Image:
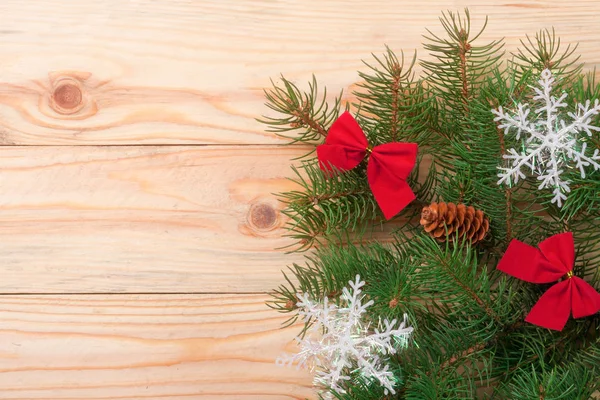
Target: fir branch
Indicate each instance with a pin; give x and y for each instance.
(463, 48)
(491, 99)
(588, 357)
(459, 65)
(549, 382)
(544, 51)
(507, 191)
(328, 270)
(326, 207)
(469, 318)
(394, 78)
(471, 177)
(455, 267)
(394, 105)
(465, 353)
(446, 365)
(301, 116)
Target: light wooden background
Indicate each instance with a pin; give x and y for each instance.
(137, 221)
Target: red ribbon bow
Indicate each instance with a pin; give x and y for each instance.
(552, 261)
(388, 167)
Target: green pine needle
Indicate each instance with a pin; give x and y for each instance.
(470, 339)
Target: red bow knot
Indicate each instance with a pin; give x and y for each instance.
(552, 260)
(388, 167)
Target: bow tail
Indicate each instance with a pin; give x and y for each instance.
(585, 299)
(554, 307)
(394, 199)
(388, 167)
(391, 193)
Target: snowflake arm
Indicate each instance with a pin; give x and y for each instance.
(585, 161)
(518, 121)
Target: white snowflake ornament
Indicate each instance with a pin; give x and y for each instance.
(550, 143)
(339, 342)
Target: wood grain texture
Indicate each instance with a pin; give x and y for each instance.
(156, 72)
(175, 219)
(145, 347)
(143, 219)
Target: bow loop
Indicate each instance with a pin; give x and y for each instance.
(553, 260)
(538, 270)
(388, 166)
(559, 250)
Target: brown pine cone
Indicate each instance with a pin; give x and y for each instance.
(443, 220)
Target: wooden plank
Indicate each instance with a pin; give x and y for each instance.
(140, 71)
(145, 347)
(143, 219)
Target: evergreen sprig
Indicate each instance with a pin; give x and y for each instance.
(544, 51)
(325, 207)
(301, 117)
(394, 105)
(470, 339)
(460, 64)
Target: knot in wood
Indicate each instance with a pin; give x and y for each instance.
(262, 216)
(67, 96)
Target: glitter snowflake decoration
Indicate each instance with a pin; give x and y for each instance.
(339, 343)
(550, 144)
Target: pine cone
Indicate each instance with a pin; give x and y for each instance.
(443, 220)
